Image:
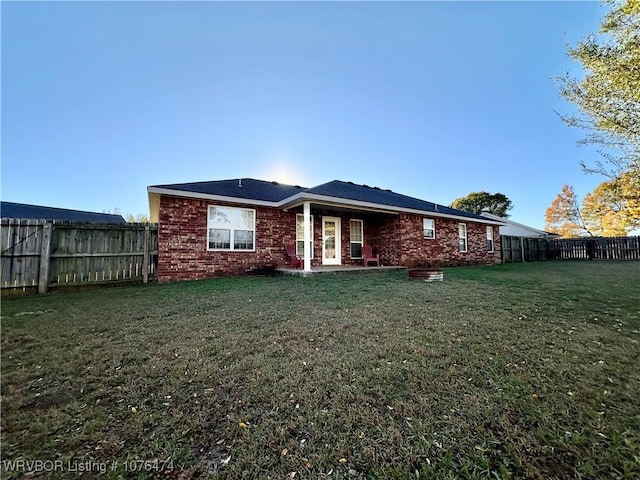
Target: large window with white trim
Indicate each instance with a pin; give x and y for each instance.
(428, 228)
(490, 239)
(300, 235)
(356, 237)
(462, 237)
(231, 228)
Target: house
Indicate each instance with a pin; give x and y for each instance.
(515, 229)
(229, 227)
(23, 210)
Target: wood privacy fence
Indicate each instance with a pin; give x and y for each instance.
(41, 254)
(521, 249)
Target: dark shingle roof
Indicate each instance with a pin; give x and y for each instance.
(22, 210)
(364, 193)
(250, 189)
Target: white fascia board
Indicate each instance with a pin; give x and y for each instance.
(215, 198)
(299, 198)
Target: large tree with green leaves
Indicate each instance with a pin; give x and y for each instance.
(484, 202)
(608, 95)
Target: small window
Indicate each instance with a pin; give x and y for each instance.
(356, 238)
(300, 235)
(462, 237)
(428, 228)
(490, 239)
(231, 229)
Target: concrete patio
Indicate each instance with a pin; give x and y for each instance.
(320, 270)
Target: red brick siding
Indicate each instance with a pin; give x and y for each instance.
(443, 250)
(398, 239)
(182, 241)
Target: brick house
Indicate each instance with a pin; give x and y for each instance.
(230, 227)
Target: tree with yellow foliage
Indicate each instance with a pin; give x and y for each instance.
(564, 215)
(611, 210)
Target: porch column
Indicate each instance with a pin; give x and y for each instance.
(306, 207)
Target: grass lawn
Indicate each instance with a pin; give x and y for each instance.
(525, 371)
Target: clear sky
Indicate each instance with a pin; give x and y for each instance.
(430, 99)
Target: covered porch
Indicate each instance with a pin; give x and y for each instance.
(330, 237)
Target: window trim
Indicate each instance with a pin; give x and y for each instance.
(361, 242)
(433, 229)
(231, 230)
(301, 254)
(490, 239)
(465, 237)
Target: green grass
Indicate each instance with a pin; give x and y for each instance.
(524, 371)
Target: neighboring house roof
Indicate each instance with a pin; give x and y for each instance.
(22, 210)
(515, 229)
(334, 193)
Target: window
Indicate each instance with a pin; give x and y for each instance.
(428, 228)
(231, 229)
(300, 235)
(490, 239)
(462, 237)
(356, 234)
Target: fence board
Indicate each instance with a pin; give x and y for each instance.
(584, 248)
(79, 253)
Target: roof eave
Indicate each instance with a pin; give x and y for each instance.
(300, 198)
(208, 196)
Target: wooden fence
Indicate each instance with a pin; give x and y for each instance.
(519, 249)
(40, 254)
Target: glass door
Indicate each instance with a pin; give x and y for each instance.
(331, 241)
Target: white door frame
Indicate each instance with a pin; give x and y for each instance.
(338, 246)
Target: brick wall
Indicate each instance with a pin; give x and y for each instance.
(182, 241)
(398, 239)
(443, 250)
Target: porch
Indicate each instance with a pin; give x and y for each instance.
(325, 269)
(331, 238)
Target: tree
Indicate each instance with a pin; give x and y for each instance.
(564, 216)
(129, 217)
(611, 210)
(484, 202)
(138, 218)
(608, 96)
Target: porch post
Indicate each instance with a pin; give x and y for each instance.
(307, 236)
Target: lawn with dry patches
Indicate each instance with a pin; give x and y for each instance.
(523, 370)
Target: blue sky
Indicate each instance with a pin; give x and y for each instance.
(430, 99)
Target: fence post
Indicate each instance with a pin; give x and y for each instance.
(45, 258)
(145, 260)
